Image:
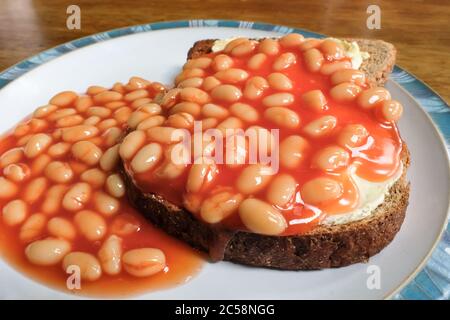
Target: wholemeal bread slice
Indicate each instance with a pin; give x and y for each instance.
(324, 246)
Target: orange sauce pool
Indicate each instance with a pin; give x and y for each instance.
(182, 262)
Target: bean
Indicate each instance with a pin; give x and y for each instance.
(291, 40)
(107, 96)
(139, 102)
(78, 167)
(348, 75)
(221, 62)
(332, 50)
(17, 172)
(151, 122)
(91, 225)
(106, 204)
(122, 114)
(331, 158)
(86, 152)
(15, 212)
(292, 151)
(166, 135)
(137, 94)
(38, 125)
(101, 112)
(83, 103)
(236, 150)
(110, 255)
(69, 121)
(284, 61)
(269, 47)
(92, 120)
(309, 44)
(255, 87)
(253, 178)
(189, 107)
(256, 62)
(229, 125)
(144, 262)
(320, 127)
(61, 228)
(315, 100)
(39, 164)
(181, 120)
(260, 217)
(231, 75)
(53, 199)
(192, 202)
(219, 206)
(47, 252)
(90, 269)
(13, 155)
(108, 161)
(243, 49)
(313, 59)
(214, 111)
(77, 196)
(119, 87)
(93, 90)
(64, 99)
(44, 111)
(191, 83)
(95, 177)
(23, 140)
(34, 190)
(37, 144)
(391, 110)
(226, 92)
(189, 73)
(234, 43)
(210, 83)
(59, 172)
(202, 63)
(332, 67)
(138, 83)
(321, 190)
(171, 98)
(352, 135)
(282, 117)
(345, 92)
(281, 190)
(78, 133)
(131, 144)
(201, 174)
(106, 124)
(209, 123)
(279, 81)
(146, 158)
(111, 136)
(33, 227)
(245, 112)
(125, 224)
(115, 185)
(371, 97)
(61, 113)
(169, 170)
(278, 100)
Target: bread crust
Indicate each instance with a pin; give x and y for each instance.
(324, 246)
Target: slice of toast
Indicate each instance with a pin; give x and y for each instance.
(324, 246)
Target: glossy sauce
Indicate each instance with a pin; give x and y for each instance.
(376, 160)
(182, 262)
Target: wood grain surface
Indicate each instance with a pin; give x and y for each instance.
(419, 29)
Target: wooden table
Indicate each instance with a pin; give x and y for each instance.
(419, 29)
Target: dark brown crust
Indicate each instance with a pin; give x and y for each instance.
(324, 247)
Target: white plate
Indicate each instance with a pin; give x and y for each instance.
(158, 55)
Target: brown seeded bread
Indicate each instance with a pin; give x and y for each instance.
(323, 247)
(377, 67)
